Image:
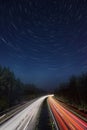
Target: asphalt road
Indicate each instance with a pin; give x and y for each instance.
(26, 119)
(65, 120)
(14, 111)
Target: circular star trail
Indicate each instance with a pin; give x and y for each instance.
(43, 41)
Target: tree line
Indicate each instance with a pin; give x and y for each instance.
(13, 91)
(74, 91)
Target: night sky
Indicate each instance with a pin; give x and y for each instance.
(43, 41)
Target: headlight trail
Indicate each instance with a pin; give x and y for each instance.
(26, 119)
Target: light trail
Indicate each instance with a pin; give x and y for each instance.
(26, 119)
(64, 118)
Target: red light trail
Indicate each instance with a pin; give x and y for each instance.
(64, 118)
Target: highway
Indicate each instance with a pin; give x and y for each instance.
(26, 119)
(15, 110)
(65, 120)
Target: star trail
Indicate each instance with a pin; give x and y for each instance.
(43, 41)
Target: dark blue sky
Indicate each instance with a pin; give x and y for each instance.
(43, 41)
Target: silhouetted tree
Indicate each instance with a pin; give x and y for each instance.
(75, 90)
(12, 90)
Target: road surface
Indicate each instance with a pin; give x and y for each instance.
(14, 111)
(65, 120)
(26, 119)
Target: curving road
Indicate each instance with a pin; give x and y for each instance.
(65, 120)
(26, 119)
